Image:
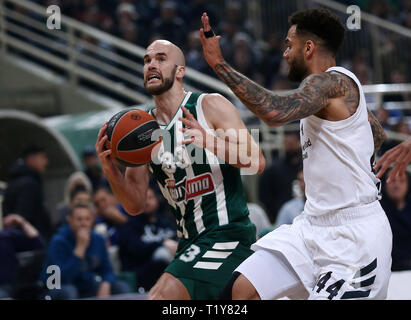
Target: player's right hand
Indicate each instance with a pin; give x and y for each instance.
(211, 46)
(107, 163)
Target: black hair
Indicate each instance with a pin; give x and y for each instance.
(322, 23)
(102, 187)
(31, 150)
(88, 151)
(77, 189)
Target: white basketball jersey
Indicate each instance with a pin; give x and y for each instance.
(337, 159)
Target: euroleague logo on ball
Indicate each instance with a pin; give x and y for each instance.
(129, 136)
(135, 116)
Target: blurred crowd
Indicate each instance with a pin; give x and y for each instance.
(100, 250)
(258, 57)
(141, 22)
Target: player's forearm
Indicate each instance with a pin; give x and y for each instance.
(312, 95)
(129, 193)
(256, 98)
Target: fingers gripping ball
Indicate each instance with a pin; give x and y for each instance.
(129, 135)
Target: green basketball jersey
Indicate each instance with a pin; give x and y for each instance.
(204, 192)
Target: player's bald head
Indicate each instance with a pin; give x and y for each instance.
(170, 49)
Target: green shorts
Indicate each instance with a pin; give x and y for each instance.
(205, 265)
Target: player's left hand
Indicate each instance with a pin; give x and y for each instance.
(196, 133)
(211, 45)
(400, 155)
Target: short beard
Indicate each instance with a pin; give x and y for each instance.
(164, 87)
(297, 71)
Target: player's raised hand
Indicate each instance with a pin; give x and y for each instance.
(210, 42)
(193, 130)
(400, 155)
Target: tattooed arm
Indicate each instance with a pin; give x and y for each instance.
(313, 95)
(377, 131)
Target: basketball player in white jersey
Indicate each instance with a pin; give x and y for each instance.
(340, 246)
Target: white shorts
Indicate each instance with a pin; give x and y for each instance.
(341, 255)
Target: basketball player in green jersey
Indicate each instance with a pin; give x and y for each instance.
(205, 194)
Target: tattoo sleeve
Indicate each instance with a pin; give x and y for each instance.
(308, 99)
(377, 131)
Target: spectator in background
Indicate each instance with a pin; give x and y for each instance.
(148, 10)
(275, 185)
(110, 215)
(292, 208)
(18, 235)
(194, 54)
(91, 14)
(363, 72)
(383, 116)
(92, 168)
(83, 259)
(401, 127)
(397, 205)
(147, 243)
(272, 58)
(259, 217)
(78, 188)
(295, 206)
(397, 76)
(75, 180)
(245, 56)
(170, 25)
(24, 194)
(195, 8)
(129, 24)
(78, 195)
(405, 13)
(235, 14)
(382, 9)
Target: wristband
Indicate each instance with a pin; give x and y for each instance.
(209, 33)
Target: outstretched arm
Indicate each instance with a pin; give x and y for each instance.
(312, 95)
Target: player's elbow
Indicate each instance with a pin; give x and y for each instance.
(273, 122)
(261, 164)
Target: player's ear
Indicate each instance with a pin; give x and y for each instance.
(181, 70)
(309, 48)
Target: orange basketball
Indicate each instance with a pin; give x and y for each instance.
(129, 135)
